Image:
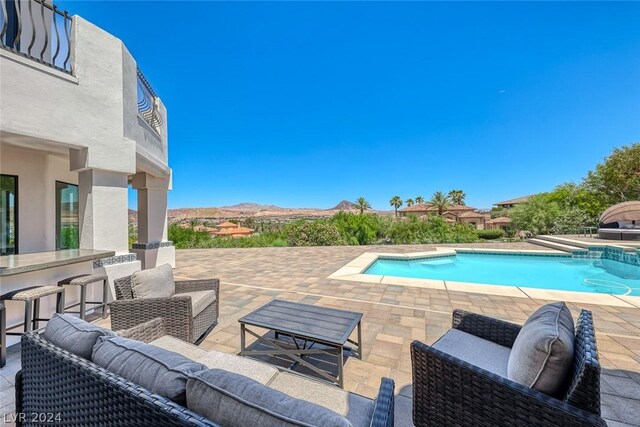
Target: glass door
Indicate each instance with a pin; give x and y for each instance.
(8, 214)
(67, 217)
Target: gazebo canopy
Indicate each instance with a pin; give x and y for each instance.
(625, 211)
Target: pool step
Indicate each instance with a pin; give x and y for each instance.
(553, 245)
(564, 241)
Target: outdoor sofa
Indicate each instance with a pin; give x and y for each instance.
(74, 386)
(463, 378)
(189, 308)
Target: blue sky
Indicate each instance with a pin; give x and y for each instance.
(305, 104)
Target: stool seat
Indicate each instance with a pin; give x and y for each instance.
(31, 293)
(82, 279)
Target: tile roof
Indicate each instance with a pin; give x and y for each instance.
(227, 224)
(233, 231)
(471, 214)
(500, 220)
(423, 207)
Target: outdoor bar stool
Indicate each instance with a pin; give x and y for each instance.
(31, 298)
(83, 281)
(3, 336)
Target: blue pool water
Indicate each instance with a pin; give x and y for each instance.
(560, 273)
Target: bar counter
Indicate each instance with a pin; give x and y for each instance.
(25, 263)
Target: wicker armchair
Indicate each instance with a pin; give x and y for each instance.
(450, 392)
(176, 311)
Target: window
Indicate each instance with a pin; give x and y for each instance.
(8, 214)
(67, 218)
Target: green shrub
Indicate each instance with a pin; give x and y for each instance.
(185, 238)
(279, 243)
(356, 229)
(491, 234)
(313, 233)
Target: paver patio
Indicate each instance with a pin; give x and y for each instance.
(396, 315)
(393, 316)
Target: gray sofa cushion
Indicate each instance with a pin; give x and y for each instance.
(254, 369)
(156, 369)
(153, 283)
(476, 351)
(233, 400)
(355, 408)
(542, 354)
(199, 300)
(74, 335)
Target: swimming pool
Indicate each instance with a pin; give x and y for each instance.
(543, 272)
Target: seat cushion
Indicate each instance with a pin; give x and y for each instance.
(74, 335)
(153, 283)
(199, 300)
(257, 371)
(476, 351)
(234, 400)
(355, 408)
(542, 354)
(156, 369)
(176, 345)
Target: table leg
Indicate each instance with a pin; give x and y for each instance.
(341, 367)
(360, 340)
(242, 339)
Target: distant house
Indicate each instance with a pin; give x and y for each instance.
(477, 219)
(226, 224)
(502, 222)
(508, 204)
(234, 230)
(424, 209)
(454, 213)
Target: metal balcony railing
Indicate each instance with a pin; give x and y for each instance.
(38, 30)
(148, 103)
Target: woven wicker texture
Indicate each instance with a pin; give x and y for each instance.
(34, 292)
(54, 381)
(145, 332)
(450, 392)
(82, 280)
(176, 311)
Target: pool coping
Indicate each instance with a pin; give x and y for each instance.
(354, 270)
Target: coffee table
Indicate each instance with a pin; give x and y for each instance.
(307, 325)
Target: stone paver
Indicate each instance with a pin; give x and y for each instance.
(396, 315)
(393, 316)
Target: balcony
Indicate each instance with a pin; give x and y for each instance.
(37, 30)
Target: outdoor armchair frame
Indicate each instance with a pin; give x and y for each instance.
(450, 392)
(176, 311)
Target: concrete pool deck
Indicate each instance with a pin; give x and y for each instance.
(355, 271)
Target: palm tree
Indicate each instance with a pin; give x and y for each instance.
(419, 200)
(396, 202)
(409, 202)
(362, 204)
(439, 201)
(457, 197)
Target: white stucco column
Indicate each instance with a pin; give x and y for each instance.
(103, 210)
(152, 247)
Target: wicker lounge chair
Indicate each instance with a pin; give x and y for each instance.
(448, 391)
(177, 311)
